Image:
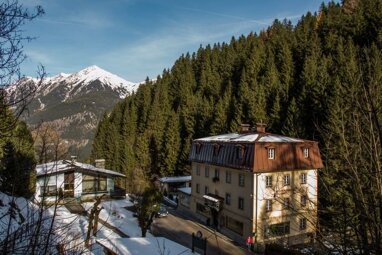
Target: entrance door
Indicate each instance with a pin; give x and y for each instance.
(215, 217)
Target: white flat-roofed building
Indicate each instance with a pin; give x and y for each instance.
(68, 178)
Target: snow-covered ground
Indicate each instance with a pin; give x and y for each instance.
(148, 246)
(12, 217)
(70, 229)
(117, 215)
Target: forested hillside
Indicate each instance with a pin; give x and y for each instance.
(290, 77)
(319, 79)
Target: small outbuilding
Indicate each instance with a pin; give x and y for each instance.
(169, 185)
(184, 196)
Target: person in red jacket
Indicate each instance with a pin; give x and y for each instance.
(249, 242)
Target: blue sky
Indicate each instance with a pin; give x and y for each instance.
(139, 38)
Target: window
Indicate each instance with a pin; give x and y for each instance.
(92, 183)
(206, 190)
(277, 229)
(303, 178)
(228, 198)
(69, 181)
(241, 203)
(102, 184)
(302, 223)
(206, 171)
(241, 180)
(271, 153)
(306, 152)
(49, 190)
(198, 170)
(303, 200)
(268, 181)
(217, 172)
(240, 150)
(286, 203)
(268, 205)
(286, 179)
(200, 208)
(228, 177)
(216, 149)
(234, 225)
(197, 188)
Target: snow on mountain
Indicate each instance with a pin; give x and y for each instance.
(78, 82)
(81, 79)
(92, 73)
(72, 103)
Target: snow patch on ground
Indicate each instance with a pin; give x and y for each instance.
(42, 105)
(70, 230)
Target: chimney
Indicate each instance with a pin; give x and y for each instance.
(244, 128)
(99, 163)
(260, 127)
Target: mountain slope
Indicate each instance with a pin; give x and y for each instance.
(74, 103)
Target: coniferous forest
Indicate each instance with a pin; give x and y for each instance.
(318, 79)
(17, 159)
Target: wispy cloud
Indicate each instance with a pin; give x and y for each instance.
(88, 19)
(152, 54)
(92, 19)
(31, 3)
(39, 57)
(258, 21)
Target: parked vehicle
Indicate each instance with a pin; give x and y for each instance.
(163, 212)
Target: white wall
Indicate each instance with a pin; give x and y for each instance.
(57, 180)
(77, 184)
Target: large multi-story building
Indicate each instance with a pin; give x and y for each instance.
(256, 183)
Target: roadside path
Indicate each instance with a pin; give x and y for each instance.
(179, 228)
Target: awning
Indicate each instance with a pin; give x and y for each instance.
(213, 201)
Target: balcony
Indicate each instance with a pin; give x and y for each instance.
(215, 179)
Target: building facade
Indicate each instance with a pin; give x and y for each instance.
(256, 183)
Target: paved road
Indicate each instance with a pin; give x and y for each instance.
(178, 228)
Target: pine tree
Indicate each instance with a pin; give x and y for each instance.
(309, 80)
(171, 146)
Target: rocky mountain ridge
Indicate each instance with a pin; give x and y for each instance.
(72, 103)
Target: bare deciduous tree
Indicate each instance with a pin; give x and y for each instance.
(12, 17)
(353, 180)
(48, 144)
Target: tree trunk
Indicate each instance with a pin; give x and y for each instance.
(96, 216)
(90, 227)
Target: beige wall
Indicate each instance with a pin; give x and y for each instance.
(276, 193)
(220, 188)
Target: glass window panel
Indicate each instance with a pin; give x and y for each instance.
(102, 184)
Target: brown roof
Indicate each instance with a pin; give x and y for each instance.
(250, 151)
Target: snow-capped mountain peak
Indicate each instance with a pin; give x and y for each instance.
(82, 82)
(72, 103)
(94, 72)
